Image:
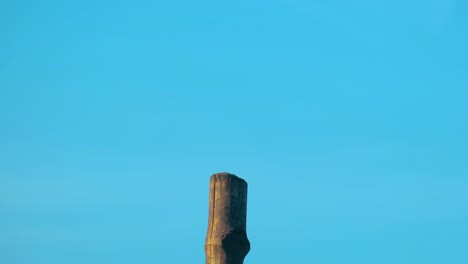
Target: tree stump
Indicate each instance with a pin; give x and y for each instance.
(226, 238)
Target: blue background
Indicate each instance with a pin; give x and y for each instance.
(347, 119)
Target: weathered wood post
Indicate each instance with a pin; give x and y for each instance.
(226, 239)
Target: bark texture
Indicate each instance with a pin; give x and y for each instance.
(226, 238)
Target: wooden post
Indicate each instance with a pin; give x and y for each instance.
(226, 239)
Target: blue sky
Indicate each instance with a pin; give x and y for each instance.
(347, 119)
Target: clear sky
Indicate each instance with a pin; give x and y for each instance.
(348, 119)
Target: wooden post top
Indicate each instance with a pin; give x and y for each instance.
(226, 239)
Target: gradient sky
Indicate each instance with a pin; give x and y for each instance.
(348, 119)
